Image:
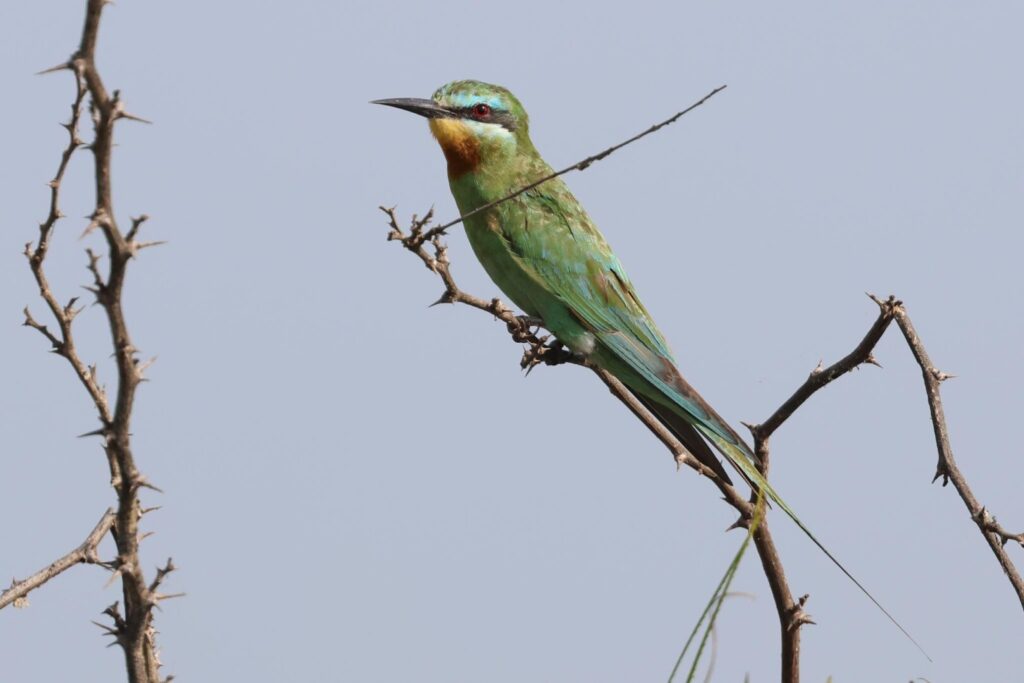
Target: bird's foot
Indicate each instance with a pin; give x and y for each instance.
(542, 352)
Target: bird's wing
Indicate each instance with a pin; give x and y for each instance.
(565, 251)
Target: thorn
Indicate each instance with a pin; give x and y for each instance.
(740, 523)
(94, 222)
(941, 376)
(871, 360)
(114, 573)
(818, 368)
(753, 428)
(109, 631)
(799, 616)
(142, 482)
(145, 365)
(446, 298)
(985, 515)
(54, 69)
(132, 117)
(102, 431)
(890, 302)
(136, 224)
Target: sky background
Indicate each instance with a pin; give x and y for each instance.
(362, 488)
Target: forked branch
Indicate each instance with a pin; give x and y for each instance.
(87, 553)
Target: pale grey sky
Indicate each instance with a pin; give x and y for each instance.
(359, 488)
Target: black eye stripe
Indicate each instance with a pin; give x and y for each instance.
(499, 116)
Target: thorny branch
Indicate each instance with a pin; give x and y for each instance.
(134, 629)
(543, 349)
(791, 611)
(946, 469)
(86, 553)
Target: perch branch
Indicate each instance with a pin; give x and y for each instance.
(542, 349)
(539, 350)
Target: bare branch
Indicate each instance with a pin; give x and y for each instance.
(86, 553)
(791, 611)
(133, 630)
(947, 469)
(819, 377)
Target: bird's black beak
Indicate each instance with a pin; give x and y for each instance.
(427, 108)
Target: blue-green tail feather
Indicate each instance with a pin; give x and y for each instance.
(743, 459)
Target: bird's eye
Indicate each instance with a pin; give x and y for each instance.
(481, 111)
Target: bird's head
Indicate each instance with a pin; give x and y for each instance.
(477, 124)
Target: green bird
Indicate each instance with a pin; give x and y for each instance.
(548, 257)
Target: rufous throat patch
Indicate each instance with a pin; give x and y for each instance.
(460, 146)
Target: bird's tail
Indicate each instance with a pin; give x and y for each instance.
(687, 434)
(743, 459)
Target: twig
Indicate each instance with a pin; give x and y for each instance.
(819, 377)
(522, 328)
(84, 553)
(581, 165)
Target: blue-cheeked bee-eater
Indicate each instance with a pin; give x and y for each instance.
(547, 256)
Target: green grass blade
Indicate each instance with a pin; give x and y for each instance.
(715, 603)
